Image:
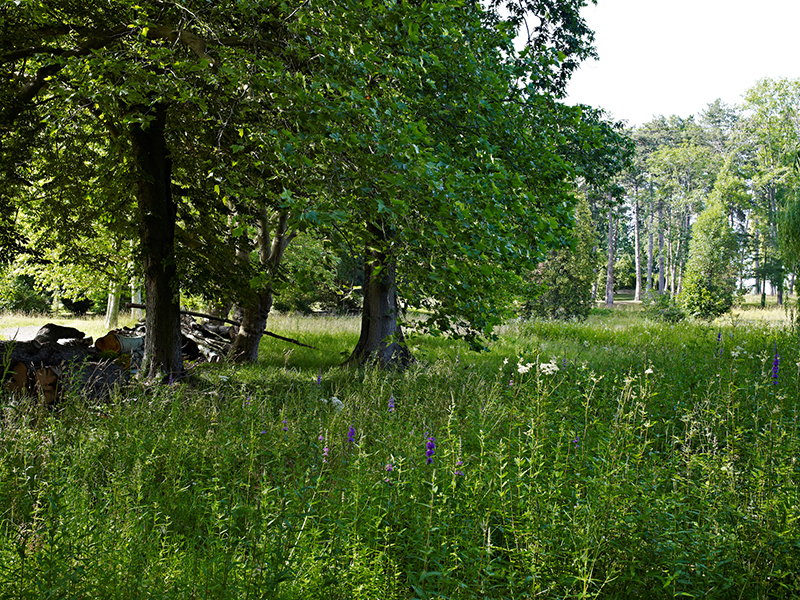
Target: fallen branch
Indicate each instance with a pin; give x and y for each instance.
(232, 322)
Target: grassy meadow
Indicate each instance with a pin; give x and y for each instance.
(616, 458)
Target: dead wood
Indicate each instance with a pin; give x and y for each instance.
(231, 321)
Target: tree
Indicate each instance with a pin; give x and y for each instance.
(769, 132)
(489, 175)
(416, 129)
(151, 82)
(562, 284)
(709, 284)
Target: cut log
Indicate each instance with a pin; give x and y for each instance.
(108, 343)
(46, 384)
(51, 334)
(18, 382)
(34, 353)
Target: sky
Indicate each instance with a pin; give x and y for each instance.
(674, 57)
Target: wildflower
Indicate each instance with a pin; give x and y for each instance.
(565, 363)
(351, 435)
(431, 449)
(319, 377)
(458, 357)
(285, 425)
(325, 454)
(648, 371)
(389, 467)
(263, 431)
(510, 382)
(548, 368)
(459, 472)
(338, 405)
(522, 369)
(576, 441)
(320, 438)
(775, 366)
(391, 403)
(585, 343)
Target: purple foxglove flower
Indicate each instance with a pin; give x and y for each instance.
(431, 449)
(775, 366)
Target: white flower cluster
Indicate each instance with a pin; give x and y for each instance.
(523, 368)
(740, 351)
(335, 402)
(548, 368)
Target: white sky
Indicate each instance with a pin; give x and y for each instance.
(674, 57)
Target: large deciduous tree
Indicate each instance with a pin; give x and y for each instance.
(417, 130)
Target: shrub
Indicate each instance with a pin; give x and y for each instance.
(17, 293)
(662, 307)
(564, 281)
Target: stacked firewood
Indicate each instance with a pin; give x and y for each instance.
(63, 360)
(58, 359)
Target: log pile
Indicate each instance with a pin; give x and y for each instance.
(62, 360)
(58, 359)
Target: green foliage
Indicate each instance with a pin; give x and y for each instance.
(563, 282)
(709, 283)
(789, 231)
(18, 293)
(308, 277)
(663, 307)
(614, 458)
(419, 120)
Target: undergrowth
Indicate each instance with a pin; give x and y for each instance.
(619, 458)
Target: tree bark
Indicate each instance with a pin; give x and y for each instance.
(112, 309)
(136, 298)
(256, 309)
(637, 295)
(649, 284)
(661, 280)
(381, 340)
(610, 270)
(157, 213)
(756, 264)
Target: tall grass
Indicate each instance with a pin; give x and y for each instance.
(655, 462)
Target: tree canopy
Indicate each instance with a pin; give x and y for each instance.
(417, 133)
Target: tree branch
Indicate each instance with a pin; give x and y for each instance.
(231, 321)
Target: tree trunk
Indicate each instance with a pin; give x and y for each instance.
(676, 268)
(112, 309)
(637, 295)
(661, 280)
(756, 265)
(649, 284)
(381, 340)
(610, 270)
(157, 212)
(136, 298)
(255, 310)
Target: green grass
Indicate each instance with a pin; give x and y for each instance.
(92, 325)
(658, 461)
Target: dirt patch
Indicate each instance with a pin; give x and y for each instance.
(20, 334)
